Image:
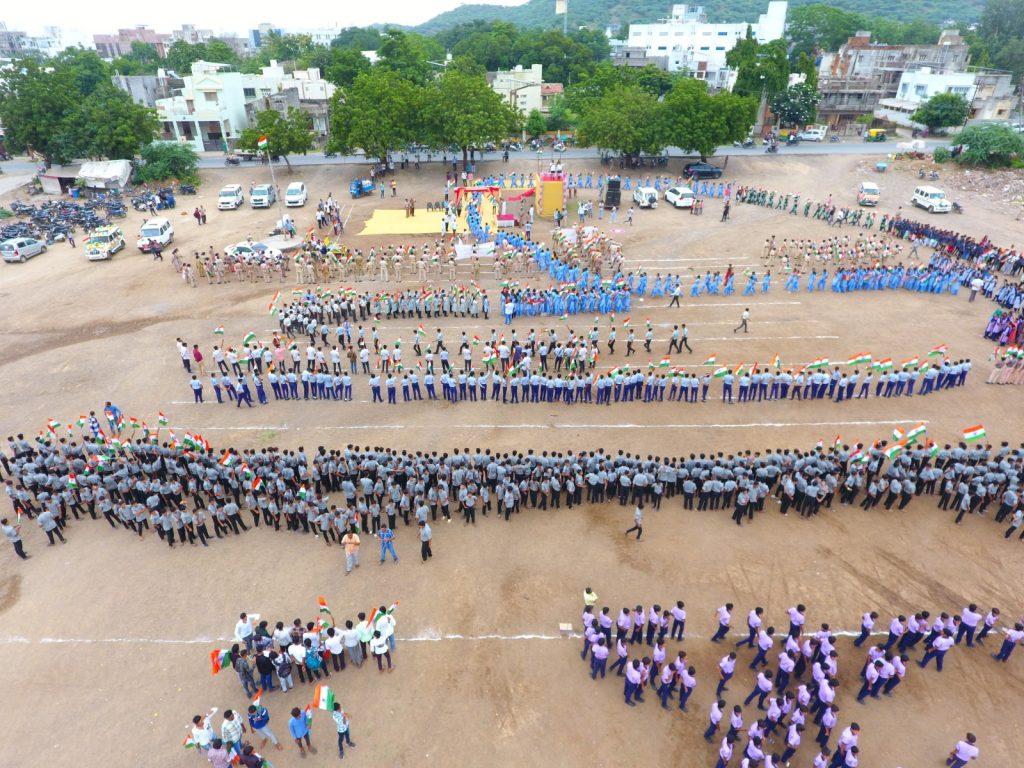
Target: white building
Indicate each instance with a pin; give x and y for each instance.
(990, 94)
(519, 87)
(691, 43)
(209, 109)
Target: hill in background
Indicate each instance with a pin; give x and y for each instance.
(602, 13)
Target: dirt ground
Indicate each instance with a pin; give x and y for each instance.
(106, 640)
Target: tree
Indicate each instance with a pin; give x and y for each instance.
(85, 68)
(142, 60)
(379, 112)
(358, 38)
(410, 55)
(535, 123)
(182, 55)
(33, 106)
(110, 124)
(699, 122)
(560, 118)
(797, 105)
(992, 145)
(759, 68)
(346, 65)
(163, 160)
(942, 111)
(626, 119)
(462, 109)
(285, 134)
(606, 76)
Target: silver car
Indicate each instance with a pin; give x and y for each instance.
(21, 248)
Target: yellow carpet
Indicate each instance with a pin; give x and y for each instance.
(395, 222)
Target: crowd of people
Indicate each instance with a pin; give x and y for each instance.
(173, 488)
(796, 673)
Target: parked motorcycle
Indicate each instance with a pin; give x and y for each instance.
(771, 149)
(957, 208)
(187, 189)
(232, 160)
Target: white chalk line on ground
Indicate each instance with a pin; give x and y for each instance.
(427, 637)
(747, 425)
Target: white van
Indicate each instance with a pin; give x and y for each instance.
(932, 199)
(645, 197)
(155, 232)
(262, 196)
(868, 193)
(295, 195)
(230, 197)
(813, 133)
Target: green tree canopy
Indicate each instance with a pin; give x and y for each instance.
(992, 145)
(286, 135)
(109, 124)
(164, 160)
(942, 111)
(760, 68)
(410, 55)
(535, 123)
(462, 109)
(626, 119)
(797, 105)
(378, 113)
(699, 122)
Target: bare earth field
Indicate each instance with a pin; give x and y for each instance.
(105, 641)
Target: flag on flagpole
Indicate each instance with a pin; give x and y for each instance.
(226, 460)
(837, 442)
(916, 432)
(302, 492)
(161, 419)
(885, 364)
(323, 697)
(665, 362)
(262, 142)
(711, 360)
(322, 602)
(309, 713)
(776, 361)
(894, 450)
(625, 323)
(249, 338)
(859, 358)
(938, 351)
(818, 362)
(933, 449)
(720, 372)
(257, 484)
(909, 362)
(971, 434)
(898, 434)
(218, 331)
(257, 700)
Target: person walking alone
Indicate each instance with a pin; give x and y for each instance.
(743, 321)
(638, 522)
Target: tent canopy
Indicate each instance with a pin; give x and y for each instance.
(106, 174)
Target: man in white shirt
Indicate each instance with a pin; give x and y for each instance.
(963, 752)
(245, 629)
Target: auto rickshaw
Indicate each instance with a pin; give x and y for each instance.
(875, 134)
(361, 188)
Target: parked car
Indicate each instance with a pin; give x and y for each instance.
(932, 199)
(703, 171)
(680, 197)
(868, 193)
(262, 196)
(103, 243)
(230, 197)
(813, 133)
(645, 197)
(21, 248)
(155, 232)
(245, 249)
(295, 195)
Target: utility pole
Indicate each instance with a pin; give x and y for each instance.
(565, 20)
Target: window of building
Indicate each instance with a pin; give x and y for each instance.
(719, 47)
(249, 93)
(705, 48)
(210, 97)
(722, 34)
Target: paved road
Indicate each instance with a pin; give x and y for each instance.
(851, 147)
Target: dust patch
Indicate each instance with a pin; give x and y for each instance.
(10, 592)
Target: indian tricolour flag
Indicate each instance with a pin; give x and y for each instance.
(257, 484)
(971, 434)
(916, 432)
(665, 362)
(322, 602)
(189, 742)
(219, 659)
(72, 480)
(262, 142)
(218, 331)
(933, 449)
(910, 361)
(818, 362)
(898, 434)
(885, 364)
(161, 419)
(720, 372)
(249, 338)
(324, 697)
(938, 351)
(227, 459)
(257, 700)
(711, 360)
(894, 450)
(302, 492)
(53, 425)
(776, 361)
(859, 358)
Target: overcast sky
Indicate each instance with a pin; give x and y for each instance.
(109, 15)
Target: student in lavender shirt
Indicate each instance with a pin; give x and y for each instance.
(218, 755)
